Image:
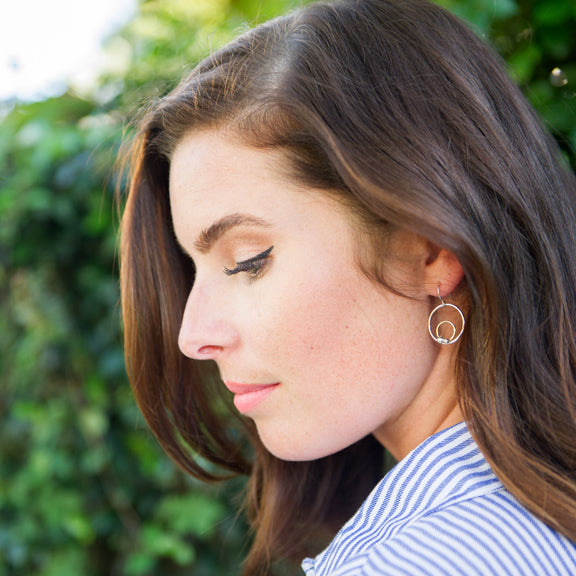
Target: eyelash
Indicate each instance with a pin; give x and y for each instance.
(253, 266)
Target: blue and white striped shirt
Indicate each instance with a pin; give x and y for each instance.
(442, 511)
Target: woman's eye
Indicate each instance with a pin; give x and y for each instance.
(253, 266)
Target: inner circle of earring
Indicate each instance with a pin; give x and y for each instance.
(455, 336)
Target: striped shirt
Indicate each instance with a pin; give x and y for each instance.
(442, 511)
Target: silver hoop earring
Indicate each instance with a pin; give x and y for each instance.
(446, 324)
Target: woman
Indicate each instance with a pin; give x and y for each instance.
(358, 219)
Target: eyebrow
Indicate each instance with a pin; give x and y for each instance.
(209, 236)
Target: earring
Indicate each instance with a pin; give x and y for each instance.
(445, 325)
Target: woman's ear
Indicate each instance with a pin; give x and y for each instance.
(428, 266)
(443, 272)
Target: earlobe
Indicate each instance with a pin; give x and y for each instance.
(443, 271)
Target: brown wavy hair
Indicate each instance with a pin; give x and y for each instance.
(400, 109)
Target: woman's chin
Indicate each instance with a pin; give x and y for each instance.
(300, 448)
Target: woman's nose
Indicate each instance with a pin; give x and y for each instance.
(205, 334)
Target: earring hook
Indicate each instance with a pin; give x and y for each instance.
(441, 299)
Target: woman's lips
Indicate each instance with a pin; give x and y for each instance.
(248, 396)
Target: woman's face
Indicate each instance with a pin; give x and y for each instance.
(317, 354)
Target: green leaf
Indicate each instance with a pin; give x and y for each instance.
(162, 543)
(192, 513)
(553, 12)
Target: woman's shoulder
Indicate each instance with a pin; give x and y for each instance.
(443, 511)
(487, 534)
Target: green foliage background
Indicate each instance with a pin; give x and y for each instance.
(84, 488)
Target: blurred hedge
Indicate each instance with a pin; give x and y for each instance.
(84, 488)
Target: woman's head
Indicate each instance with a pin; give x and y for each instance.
(395, 112)
(318, 353)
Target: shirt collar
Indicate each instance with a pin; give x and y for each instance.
(445, 468)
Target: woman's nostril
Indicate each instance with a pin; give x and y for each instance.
(209, 351)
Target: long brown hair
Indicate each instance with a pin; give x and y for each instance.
(397, 107)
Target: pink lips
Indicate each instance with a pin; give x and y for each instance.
(248, 396)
